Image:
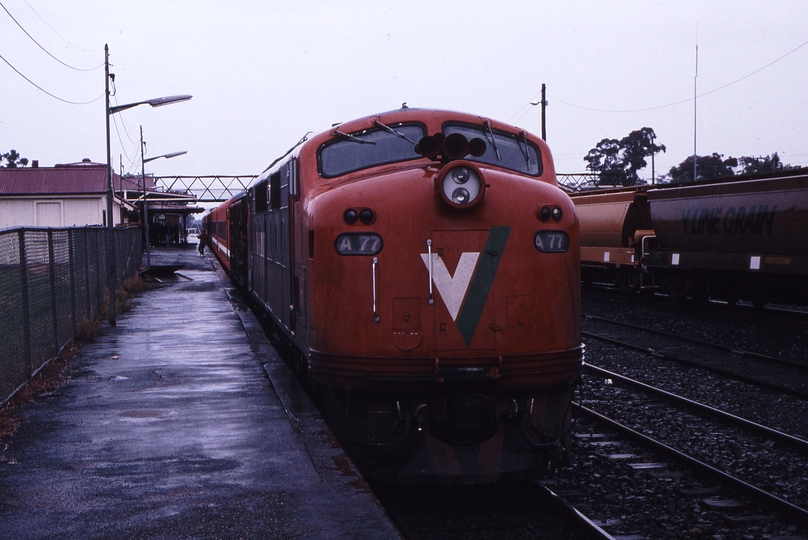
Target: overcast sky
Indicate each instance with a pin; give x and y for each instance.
(263, 73)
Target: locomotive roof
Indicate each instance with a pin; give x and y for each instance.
(403, 114)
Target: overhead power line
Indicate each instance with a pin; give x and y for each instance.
(40, 46)
(60, 35)
(32, 83)
(714, 90)
(525, 108)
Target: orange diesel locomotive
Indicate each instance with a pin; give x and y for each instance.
(425, 267)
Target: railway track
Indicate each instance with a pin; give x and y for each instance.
(773, 434)
(586, 527)
(777, 374)
(676, 495)
(792, 316)
(510, 510)
(715, 445)
(734, 416)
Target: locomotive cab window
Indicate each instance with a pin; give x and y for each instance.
(260, 195)
(350, 152)
(509, 150)
(276, 191)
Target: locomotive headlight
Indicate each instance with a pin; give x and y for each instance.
(461, 185)
(460, 175)
(460, 196)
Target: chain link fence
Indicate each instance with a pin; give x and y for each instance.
(51, 282)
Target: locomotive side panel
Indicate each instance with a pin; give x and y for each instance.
(270, 260)
(237, 239)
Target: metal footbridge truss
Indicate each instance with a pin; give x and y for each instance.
(219, 188)
(207, 189)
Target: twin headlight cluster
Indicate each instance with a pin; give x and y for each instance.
(461, 185)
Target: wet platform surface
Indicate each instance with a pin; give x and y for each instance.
(169, 427)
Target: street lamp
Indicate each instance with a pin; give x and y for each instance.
(156, 102)
(112, 281)
(144, 210)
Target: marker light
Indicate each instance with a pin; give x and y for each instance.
(545, 213)
(367, 216)
(350, 216)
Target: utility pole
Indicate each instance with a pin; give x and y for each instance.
(144, 208)
(543, 112)
(695, 96)
(653, 152)
(112, 278)
(543, 104)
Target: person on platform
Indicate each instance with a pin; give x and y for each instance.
(203, 239)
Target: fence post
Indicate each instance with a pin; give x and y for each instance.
(71, 262)
(101, 265)
(26, 310)
(52, 281)
(87, 297)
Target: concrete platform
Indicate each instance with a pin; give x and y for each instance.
(168, 427)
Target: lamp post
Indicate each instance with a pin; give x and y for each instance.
(144, 210)
(112, 280)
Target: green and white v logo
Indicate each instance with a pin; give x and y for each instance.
(466, 292)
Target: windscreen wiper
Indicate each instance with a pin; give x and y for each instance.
(393, 131)
(352, 137)
(526, 151)
(487, 124)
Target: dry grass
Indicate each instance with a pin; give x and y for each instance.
(135, 285)
(88, 329)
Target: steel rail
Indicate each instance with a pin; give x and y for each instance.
(725, 373)
(777, 435)
(764, 499)
(717, 346)
(589, 527)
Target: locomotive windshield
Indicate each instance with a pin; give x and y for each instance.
(508, 150)
(368, 148)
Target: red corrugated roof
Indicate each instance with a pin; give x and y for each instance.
(67, 179)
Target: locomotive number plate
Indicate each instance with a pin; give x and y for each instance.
(552, 241)
(358, 244)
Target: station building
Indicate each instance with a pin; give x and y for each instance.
(75, 195)
(67, 195)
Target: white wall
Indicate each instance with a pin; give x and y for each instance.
(54, 212)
